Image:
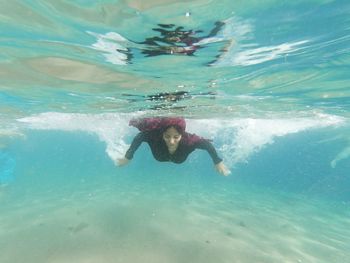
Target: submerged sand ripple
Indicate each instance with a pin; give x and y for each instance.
(109, 226)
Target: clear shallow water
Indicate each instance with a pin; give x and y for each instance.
(283, 56)
(275, 102)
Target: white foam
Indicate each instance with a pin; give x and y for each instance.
(257, 55)
(236, 54)
(240, 138)
(110, 45)
(233, 32)
(237, 139)
(237, 28)
(110, 128)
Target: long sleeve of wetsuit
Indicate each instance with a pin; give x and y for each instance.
(206, 145)
(139, 138)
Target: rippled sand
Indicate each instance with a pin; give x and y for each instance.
(115, 225)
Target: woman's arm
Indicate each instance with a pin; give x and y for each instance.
(139, 138)
(219, 165)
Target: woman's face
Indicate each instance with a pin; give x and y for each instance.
(172, 138)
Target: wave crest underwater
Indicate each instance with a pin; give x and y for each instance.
(239, 138)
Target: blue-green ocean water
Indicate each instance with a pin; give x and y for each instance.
(267, 81)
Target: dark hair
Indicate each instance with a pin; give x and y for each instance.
(177, 122)
(178, 128)
(161, 123)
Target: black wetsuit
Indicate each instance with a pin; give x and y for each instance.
(187, 144)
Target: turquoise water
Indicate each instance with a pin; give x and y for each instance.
(267, 81)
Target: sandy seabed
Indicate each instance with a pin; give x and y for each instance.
(110, 226)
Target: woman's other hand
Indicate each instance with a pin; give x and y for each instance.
(122, 161)
(222, 169)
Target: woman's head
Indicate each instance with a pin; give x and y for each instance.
(172, 131)
(172, 137)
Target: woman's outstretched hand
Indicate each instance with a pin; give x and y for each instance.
(122, 161)
(222, 169)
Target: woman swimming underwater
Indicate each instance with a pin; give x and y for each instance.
(169, 142)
